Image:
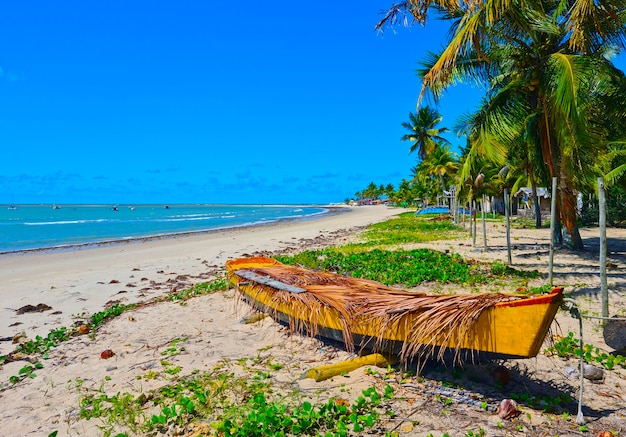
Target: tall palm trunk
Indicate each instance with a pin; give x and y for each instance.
(565, 200)
(568, 211)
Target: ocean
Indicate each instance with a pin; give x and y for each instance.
(29, 227)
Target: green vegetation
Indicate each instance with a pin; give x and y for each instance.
(551, 101)
(570, 347)
(406, 229)
(99, 318)
(41, 345)
(199, 290)
(231, 404)
(403, 267)
(545, 403)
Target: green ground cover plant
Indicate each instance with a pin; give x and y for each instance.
(403, 267)
(199, 290)
(378, 256)
(233, 404)
(569, 346)
(408, 228)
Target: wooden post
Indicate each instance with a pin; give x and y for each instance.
(552, 225)
(602, 222)
(484, 224)
(473, 222)
(463, 220)
(508, 225)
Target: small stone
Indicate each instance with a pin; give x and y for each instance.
(110, 368)
(592, 373)
(571, 372)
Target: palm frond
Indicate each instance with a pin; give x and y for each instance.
(434, 322)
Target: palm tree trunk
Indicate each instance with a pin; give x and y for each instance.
(443, 188)
(536, 204)
(566, 200)
(569, 208)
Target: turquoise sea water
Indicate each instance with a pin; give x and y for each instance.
(28, 227)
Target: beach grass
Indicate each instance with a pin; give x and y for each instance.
(407, 228)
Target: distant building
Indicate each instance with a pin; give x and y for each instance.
(524, 204)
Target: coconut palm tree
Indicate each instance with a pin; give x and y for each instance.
(423, 131)
(441, 163)
(549, 74)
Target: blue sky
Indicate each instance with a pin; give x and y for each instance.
(197, 101)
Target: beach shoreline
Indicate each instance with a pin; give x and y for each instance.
(80, 280)
(327, 211)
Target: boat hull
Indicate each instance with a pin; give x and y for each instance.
(514, 328)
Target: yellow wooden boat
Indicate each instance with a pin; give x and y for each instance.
(368, 316)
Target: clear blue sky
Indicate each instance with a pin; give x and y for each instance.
(199, 101)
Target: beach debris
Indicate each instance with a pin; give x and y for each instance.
(19, 338)
(590, 372)
(501, 375)
(33, 309)
(112, 303)
(253, 318)
(15, 356)
(83, 329)
(571, 372)
(508, 409)
(322, 373)
(106, 354)
(605, 434)
(458, 395)
(114, 281)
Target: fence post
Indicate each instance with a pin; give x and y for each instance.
(552, 226)
(508, 226)
(602, 222)
(484, 224)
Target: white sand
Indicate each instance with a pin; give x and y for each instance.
(79, 281)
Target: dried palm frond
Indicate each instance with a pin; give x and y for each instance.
(430, 322)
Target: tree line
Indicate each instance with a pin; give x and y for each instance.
(553, 103)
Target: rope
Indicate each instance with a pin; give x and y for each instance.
(462, 396)
(618, 319)
(570, 305)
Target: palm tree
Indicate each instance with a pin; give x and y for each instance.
(441, 163)
(549, 74)
(423, 131)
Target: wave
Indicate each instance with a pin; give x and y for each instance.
(67, 222)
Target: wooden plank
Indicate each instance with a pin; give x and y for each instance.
(266, 280)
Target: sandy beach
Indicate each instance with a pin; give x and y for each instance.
(81, 282)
